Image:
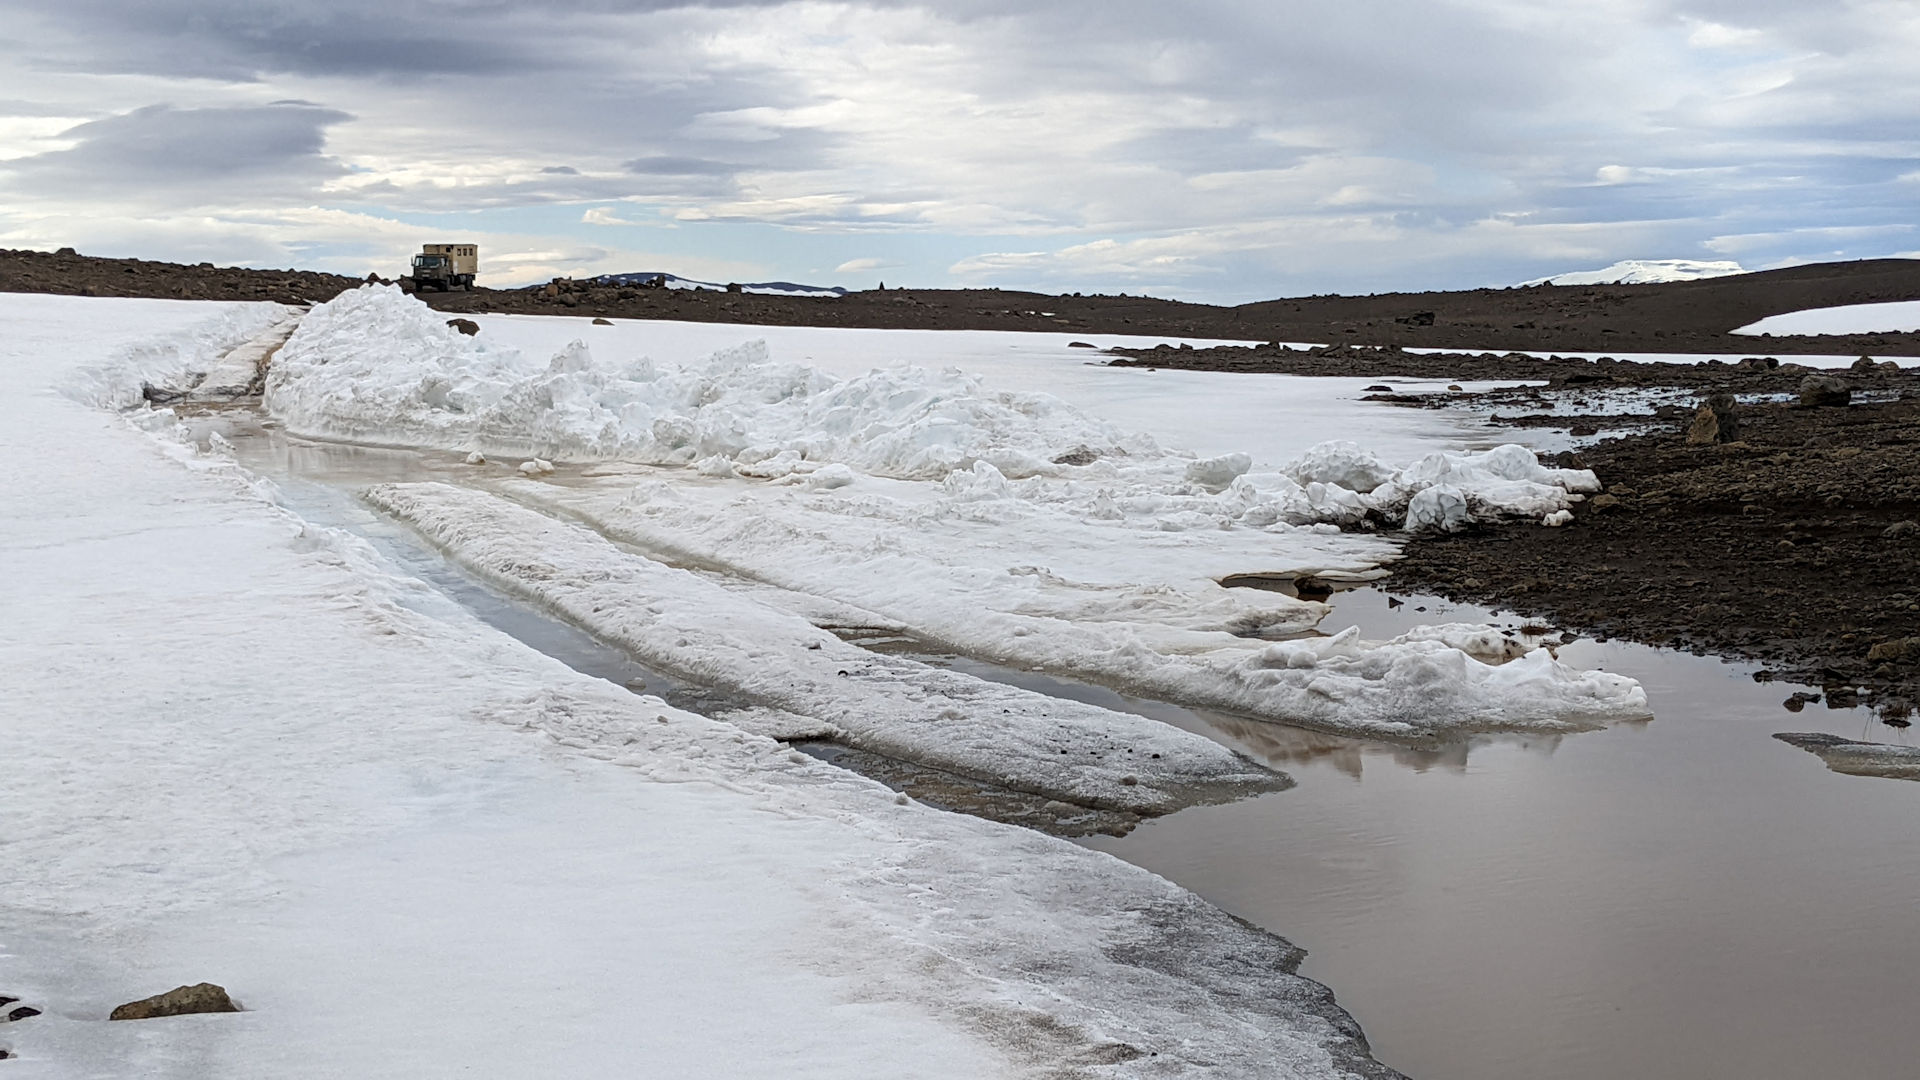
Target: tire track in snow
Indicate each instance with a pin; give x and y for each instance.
(806, 678)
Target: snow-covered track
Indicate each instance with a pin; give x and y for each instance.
(804, 676)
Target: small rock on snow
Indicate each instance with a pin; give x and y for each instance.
(179, 1001)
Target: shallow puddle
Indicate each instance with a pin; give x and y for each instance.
(1683, 898)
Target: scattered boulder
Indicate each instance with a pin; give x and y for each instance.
(179, 1001)
(1899, 650)
(602, 322)
(1900, 530)
(1717, 421)
(1865, 363)
(1600, 504)
(1081, 345)
(1819, 390)
(1079, 455)
(1377, 388)
(1418, 318)
(1758, 363)
(465, 326)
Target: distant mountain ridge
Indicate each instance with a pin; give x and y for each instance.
(1644, 272)
(762, 288)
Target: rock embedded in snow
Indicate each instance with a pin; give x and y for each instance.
(179, 1001)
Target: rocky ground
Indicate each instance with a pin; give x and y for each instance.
(1797, 545)
(1693, 316)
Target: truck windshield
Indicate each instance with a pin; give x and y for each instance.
(427, 260)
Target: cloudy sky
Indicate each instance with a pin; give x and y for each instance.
(1223, 150)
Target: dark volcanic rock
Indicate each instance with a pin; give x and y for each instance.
(179, 1001)
(465, 326)
(1717, 421)
(1818, 390)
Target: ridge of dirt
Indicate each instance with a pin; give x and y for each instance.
(1797, 547)
(1688, 316)
(1756, 373)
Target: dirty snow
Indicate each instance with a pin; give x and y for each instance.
(242, 750)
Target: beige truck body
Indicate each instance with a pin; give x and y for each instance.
(446, 266)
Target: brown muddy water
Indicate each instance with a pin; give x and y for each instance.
(1682, 898)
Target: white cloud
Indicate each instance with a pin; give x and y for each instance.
(855, 266)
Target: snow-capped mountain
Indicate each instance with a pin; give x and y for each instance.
(764, 288)
(1644, 272)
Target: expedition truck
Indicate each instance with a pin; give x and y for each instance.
(445, 266)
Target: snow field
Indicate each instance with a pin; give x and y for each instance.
(816, 684)
(242, 750)
(1889, 318)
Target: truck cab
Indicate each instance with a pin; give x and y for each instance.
(446, 266)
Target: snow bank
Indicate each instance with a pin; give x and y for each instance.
(377, 366)
(179, 359)
(1196, 645)
(1898, 317)
(901, 708)
(374, 365)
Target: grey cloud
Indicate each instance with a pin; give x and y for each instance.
(198, 152)
(669, 165)
(1496, 109)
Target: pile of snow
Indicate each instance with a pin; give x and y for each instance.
(375, 365)
(1644, 272)
(1898, 317)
